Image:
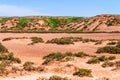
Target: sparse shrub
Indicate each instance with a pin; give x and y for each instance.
(107, 64)
(46, 61)
(28, 66)
(102, 58)
(17, 60)
(7, 39)
(93, 61)
(61, 41)
(3, 49)
(68, 54)
(28, 63)
(57, 56)
(36, 40)
(111, 57)
(80, 54)
(83, 72)
(55, 77)
(109, 49)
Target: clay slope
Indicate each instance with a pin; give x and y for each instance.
(102, 23)
(106, 23)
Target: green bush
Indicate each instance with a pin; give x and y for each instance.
(102, 58)
(36, 40)
(109, 49)
(111, 57)
(23, 22)
(53, 22)
(28, 66)
(93, 61)
(28, 63)
(80, 54)
(57, 56)
(3, 49)
(107, 64)
(61, 41)
(83, 72)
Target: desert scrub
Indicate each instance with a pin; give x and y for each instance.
(54, 77)
(107, 64)
(60, 41)
(69, 40)
(93, 61)
(3, 49)
(109, 49)
(80, 54)
(83, 72)
(96, 60)
(7, 39)
(118, 44)
(28, 66)
(9, 57)
(36, 40)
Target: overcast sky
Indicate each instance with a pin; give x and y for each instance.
(59, 7)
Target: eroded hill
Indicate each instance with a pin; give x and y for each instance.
(102, 23)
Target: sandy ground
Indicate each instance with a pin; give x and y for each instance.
(35, 52)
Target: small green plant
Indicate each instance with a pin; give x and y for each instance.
(83, 72)
(111, 57)
(61, 41)
(107, 64)
(80, 54)
(55, 77)
(3, 49)
(28, 66)
(93, 61)
(36, 40)
(118, 44)
(102, 58)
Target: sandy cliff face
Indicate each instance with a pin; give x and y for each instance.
(105, 23)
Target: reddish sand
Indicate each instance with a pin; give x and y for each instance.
(35, 52)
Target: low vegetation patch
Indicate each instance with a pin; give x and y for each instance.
(36, 40)
(70, 40)
(96, 60)
(3, 49)
(108, 64)
(54, 77)
(60, 56)
(83, 72)
(10, 38)
(109, 49)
